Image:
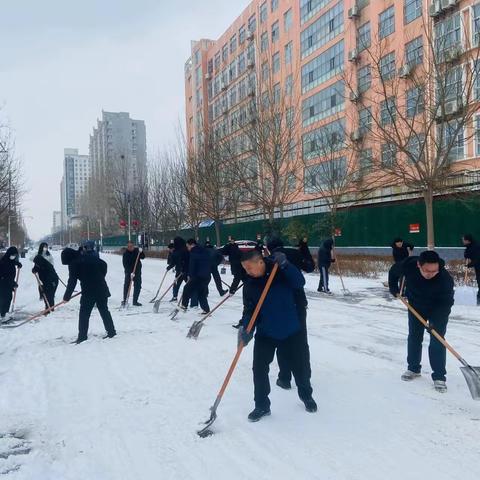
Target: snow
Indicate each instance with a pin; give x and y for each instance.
(128, 408)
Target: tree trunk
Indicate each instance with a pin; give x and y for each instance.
(428, 198)
(217, 233)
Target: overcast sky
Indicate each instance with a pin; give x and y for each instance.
(63, 61)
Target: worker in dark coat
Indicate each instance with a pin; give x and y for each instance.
(234, 257)
(48, 278)
(8, 272)
(216, 259)
(179, 261)
(91, 271)
(472, 258)
(133, 272)
(325, 259)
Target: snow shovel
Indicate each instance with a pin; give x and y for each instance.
(346, 292)
(156, 305)
(205, 431)
(132, 276)
(40, 286)
(471, 374)
(159, 288)
(197, 325)
(39, 314)
(15, 291)
(465, 280)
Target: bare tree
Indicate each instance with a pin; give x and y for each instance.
(416, 107)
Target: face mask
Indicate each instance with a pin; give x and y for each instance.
(13, 257)
(45, 249)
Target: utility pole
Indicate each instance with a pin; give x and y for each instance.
(9, 207)
(129, 219)
(88, 228)
(101, 235)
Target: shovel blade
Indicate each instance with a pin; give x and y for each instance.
(205, 431)
(472, 377)
(156, 306)
(195, 329)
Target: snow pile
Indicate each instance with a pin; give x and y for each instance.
(128, 408)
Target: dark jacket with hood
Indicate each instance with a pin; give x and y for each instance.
(129, 259)
(8, 269)
(45, 270)
(234, 257)
(215, 256)
(401, 253)
(472, 254)
(431, 297)
(89, 270)
(325, 253)
(179, 257)
(199, 263)
(278, 317)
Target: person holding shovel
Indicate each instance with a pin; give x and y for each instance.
(277, 327)
(472, 258)
(133, 272)
(48, 276)
(8, 270)
(429, 290)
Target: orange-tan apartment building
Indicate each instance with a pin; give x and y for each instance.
(314, 47)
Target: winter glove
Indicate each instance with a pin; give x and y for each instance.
(332, 260)
(34, 270)
(243, 337)
(140, 249)
(15, 285)
(132, 276)
(19, 265)
(232, 291)
(66, 298)
(280, 259)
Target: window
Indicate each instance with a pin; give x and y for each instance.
(275, 32)
(365, 120)
(325, 140)
(447, 34)
(287, 20)
(252, 23)
(387, 111)
(263, 12)
(276, 62)
(476, 24)
(326, 102)
(415, 101)
(308, 8)
(217, 61)
(453, 141)
(364, 39)
(241, 35)
(276, 93)
(365, 161)
(291, 181)
(414, 52)
(412, 9)
(233, 44)
(386, 22)
(477, 136)
(450, 86)
(325, 175)
(265, 71)
(327, 27)
(388, 154)
(364, 78)
(415, 146)
(387, 66)
(264, 42)
(274, 5)
(232, 71)
(288, 53)
(476, 80)
(323, 67)
(289, 85)
(241, 63)
(225, 53)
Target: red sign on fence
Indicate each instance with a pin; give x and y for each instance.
(338, 232)
(414, 228)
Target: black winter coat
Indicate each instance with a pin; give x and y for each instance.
(199, 263)
(401, 253)
(430, 297)
(8, 270)
(179, 260)
(472, 254)
(215, 256)
(129, 259)
(45, 270)
(91, 272)
(325, 253)
(234, 257)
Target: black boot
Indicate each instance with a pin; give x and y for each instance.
(258, 413)
(310, 405)
(238, 325)
(284, 384)
(109, 335)
(137, 304)
(80, 340)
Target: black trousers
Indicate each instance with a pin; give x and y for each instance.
(5, 301)
(86, 306)
(137, 286)
(477, 275)
(293, 348)
(49, 291)
(199, 286)
(237, 277)
(436, 351)
(323, 284)
(178, 283)
(217, 279)
(285, 371)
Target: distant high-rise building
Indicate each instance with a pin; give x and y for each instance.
(57, 221)
(76, 172)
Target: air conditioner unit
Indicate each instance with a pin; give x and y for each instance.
(250, 34)
(435, 9)
(353, 55)
(355, 96)
(250, 63)
(356, 135)
(453, 53)
(405, 70)
(447, 4)
(452, 107)
(353, 12)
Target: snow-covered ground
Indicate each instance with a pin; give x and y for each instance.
(128, 408)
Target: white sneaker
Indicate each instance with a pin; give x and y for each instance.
(440, 386)
(408, 375)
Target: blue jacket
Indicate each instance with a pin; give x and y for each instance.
(200, 263)
(278, 317)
